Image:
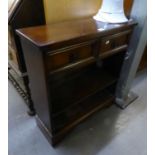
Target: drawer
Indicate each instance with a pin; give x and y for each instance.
(114, 41)
(67, 57)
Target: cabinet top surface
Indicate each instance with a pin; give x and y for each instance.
(71, 30)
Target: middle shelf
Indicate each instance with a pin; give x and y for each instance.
(74, 90)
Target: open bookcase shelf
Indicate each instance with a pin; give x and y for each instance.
(75, 89)
(72, 100)
(78, 112)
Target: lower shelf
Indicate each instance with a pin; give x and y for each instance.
(83, 109)
(75, 115)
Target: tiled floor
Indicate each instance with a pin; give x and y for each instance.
(109, 132)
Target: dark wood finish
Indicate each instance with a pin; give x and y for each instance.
(68, 56)
(76, 89)
(61, 35)
(23, 13)
(114, 41)
(72, 70)
(143, 62)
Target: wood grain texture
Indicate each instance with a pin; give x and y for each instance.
(75, 9)
(75, 30)
(22, 13)
(68, 56)
(72, 72)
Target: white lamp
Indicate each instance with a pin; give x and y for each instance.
(111, 11)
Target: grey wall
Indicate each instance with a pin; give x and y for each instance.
(134, 53)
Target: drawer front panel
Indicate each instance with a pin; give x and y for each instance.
(68, 57)
(115, 41)
(122, 40)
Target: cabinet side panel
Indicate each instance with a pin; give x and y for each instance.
(37, 77)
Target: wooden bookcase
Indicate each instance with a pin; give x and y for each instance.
(73, 69)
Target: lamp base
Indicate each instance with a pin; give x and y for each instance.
(111, 17)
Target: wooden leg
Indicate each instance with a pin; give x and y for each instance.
(31, 110)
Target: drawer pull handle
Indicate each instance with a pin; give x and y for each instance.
(107, 42)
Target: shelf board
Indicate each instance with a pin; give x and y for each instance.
(75, 90)
(79, 112)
